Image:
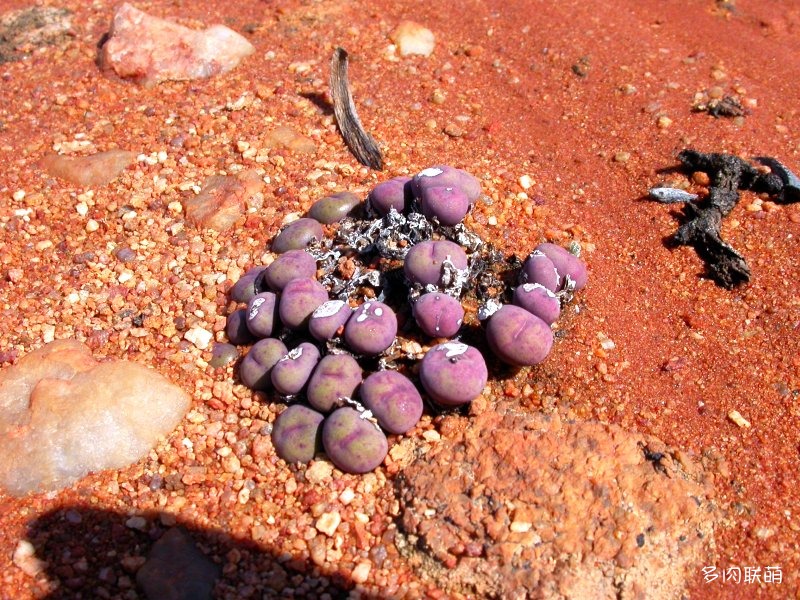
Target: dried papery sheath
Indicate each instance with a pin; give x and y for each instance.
(363, 412)
(361, 143)
(391, 236)
(566, 293)
(398, 236)
(453, 279)
(488, 308)
(462, 236)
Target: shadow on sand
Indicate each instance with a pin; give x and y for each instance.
(95, 554)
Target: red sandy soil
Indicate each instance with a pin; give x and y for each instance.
(554, 90)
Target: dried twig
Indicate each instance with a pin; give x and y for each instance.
(728, 175)
(361, 143)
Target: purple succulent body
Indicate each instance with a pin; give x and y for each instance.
(255, 368)
(222, 354)
(565, 264)
(299, 299)
(393, 400)
(328, 317)
(453, 373)
(236, 328)
(262, 314)
(297, 434)
(336, 376)
(245, 287)
(291, 373)
(518, 337)
(448, 204)
(423, 263)
(443, 175)
(438, 315)
(352, 442)
(395, 193)
(292, 264)
(371, 328)
(538, 268)
(334, 208)
(538, 300)
(297, 235)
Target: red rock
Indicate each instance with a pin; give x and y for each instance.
(222, 202)
(88, 171)
(618, 500)
(150, 50)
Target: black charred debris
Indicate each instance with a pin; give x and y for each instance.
(728, 175)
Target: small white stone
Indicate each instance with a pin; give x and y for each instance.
(737, 418)
(347, 496)
(361, 573)
(48, 333)
(606, 343)
(199, 337)
(25, 558)
(18, 195)
(431, 435)
(24, 549)
(328, 522)
(525, 182)
(82, 209)
(520, 527)
(319, 472)
(231, 463)
(92, 225)
(413, 38)
(291, 218)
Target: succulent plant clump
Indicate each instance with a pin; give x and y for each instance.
(328, 317)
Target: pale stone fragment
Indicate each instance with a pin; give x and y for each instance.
(150, 50)
(222, 201)
(328, 522)
(738, 419)
(413, 38)
(63, 415)
(88, 171)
